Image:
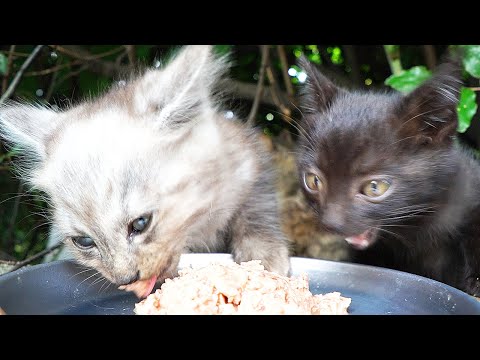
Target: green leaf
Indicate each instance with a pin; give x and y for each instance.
(471, 60)
(409, 80)
(467, 107)
(3, 64)
(315, 58)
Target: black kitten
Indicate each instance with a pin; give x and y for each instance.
(384, 171)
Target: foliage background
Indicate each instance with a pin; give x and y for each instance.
(263, 89)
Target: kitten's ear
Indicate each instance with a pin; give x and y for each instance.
(429, 113)
(181, 90)
(318, 91)
(28, 128)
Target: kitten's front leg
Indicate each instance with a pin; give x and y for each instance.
(256, 235)
(274, 256)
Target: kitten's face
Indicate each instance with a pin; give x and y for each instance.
(122, 192)
(371, 165)
(133, 173)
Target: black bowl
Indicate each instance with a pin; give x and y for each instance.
(64, 287)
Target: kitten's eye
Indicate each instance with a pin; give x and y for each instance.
(375, 188)
(83, 242)
(312, 182)
(139, 225)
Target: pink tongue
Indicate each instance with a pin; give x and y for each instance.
(141, 288)
(150, 285)
(361, 241)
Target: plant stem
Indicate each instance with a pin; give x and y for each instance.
(393, 56)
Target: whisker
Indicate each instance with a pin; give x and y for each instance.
(388, 232)
(81, 272)
(97, 280)
(96, 273)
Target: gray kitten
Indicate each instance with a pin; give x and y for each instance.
(151, 170)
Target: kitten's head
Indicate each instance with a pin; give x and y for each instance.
(373, 164)
(128, 174)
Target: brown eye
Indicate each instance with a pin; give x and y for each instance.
(375, 188)
(312, 182)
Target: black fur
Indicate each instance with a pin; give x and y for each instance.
(429, 223)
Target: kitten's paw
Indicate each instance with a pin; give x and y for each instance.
(277, 261)
(278, 264)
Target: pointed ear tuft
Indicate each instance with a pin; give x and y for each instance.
(181, 90)
(430, 111)
(28, 128)
(318, 91)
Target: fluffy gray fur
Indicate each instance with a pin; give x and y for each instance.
(156, 145)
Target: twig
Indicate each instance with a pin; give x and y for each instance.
(246, 90)
(430, 56)
(53, 81)
(240, 89)
(15, 53)
(99, 66)
(9, 67)
(16, 205)
(53, 69)
(276, 91)
(131, 54)
(80, 58)
(18, 76)
(260, 84)
(393, 56)
(475, 88)
(39, 255)
(73, 51)
(284, 63)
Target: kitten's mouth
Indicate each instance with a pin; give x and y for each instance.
(362, 241)
(141, 288)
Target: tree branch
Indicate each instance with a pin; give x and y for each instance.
(240, 89)
(246, 90)
(79, 53)
(96, 64)
(9, 67)
(51, 87)
(285, 110)
(39, 255)
(284, 64)
(16, 80)
(260, 84)
(53, 69)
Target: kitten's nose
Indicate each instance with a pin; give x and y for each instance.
(131, 280)
(333, 220)
(333, 228)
